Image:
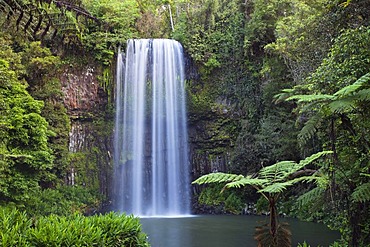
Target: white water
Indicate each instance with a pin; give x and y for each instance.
(150, 144)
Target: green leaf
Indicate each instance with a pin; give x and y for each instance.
(310, 128)
(361, 193)
(310, 196)
(278, 171)
(353, 87)
(343, 105)
(276, 187)
(218, 177)
(257, 182)
(310, 97)
(313, 157)
(363, 95)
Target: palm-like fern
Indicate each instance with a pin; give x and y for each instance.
(361, 193)
(270, 182)
(270, 179)
(320, 106)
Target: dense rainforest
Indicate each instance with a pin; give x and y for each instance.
(267, 81)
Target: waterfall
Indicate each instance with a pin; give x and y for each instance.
(150, 143)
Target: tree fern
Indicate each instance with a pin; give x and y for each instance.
(342, 105)
(255, 182)
(363, 95)
(277, 187)
(284, 95)
(310, 128)
(218, 177)
(277, 171)
(353, 87)
(313, 157)
(310, 196)
(310, 97)
(270, 182)
(361, 193)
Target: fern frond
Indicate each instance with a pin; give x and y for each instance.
(285, 94)
(308, 107)
(313, 157)
(218, 177)
(310, 128)
(307, 179)
(361, 193)
(310, 97)
(353, 87)
(363, 95)
(257, 182)
(343, 105)
(310, 196)
(278, 171)
(276, 187)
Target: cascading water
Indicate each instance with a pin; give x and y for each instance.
(150, 143)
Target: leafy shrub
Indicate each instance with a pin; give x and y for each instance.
(13, 225)
(63, 201)
(229, 201)
(17, 229)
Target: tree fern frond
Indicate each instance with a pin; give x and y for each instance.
(285, 94)
(313, 157)
(308, 107)
(218, 177)
(342, 105)
(309, 129)
(277, 187)
(246, 181)
(361, 193)
(353, 87)
(363, 95)
(310, 196)
(307, 179)
(310, 97)
(278, 170)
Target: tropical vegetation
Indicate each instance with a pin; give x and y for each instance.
(270, 82)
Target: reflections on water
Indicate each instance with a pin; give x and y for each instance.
(226, 231)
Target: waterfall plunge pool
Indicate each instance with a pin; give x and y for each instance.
(227, 231)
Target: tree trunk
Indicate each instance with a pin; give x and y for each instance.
(273, 216)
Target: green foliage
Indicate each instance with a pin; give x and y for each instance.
(344, 101)
(119, 25)
(270, 181)
(361, 193)
(25, 155)
(336, 95)
(17, 229)
(13, 225)
(62, 201)
(230, 201)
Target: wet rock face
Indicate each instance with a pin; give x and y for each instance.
(81, 90)
(90, 142)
